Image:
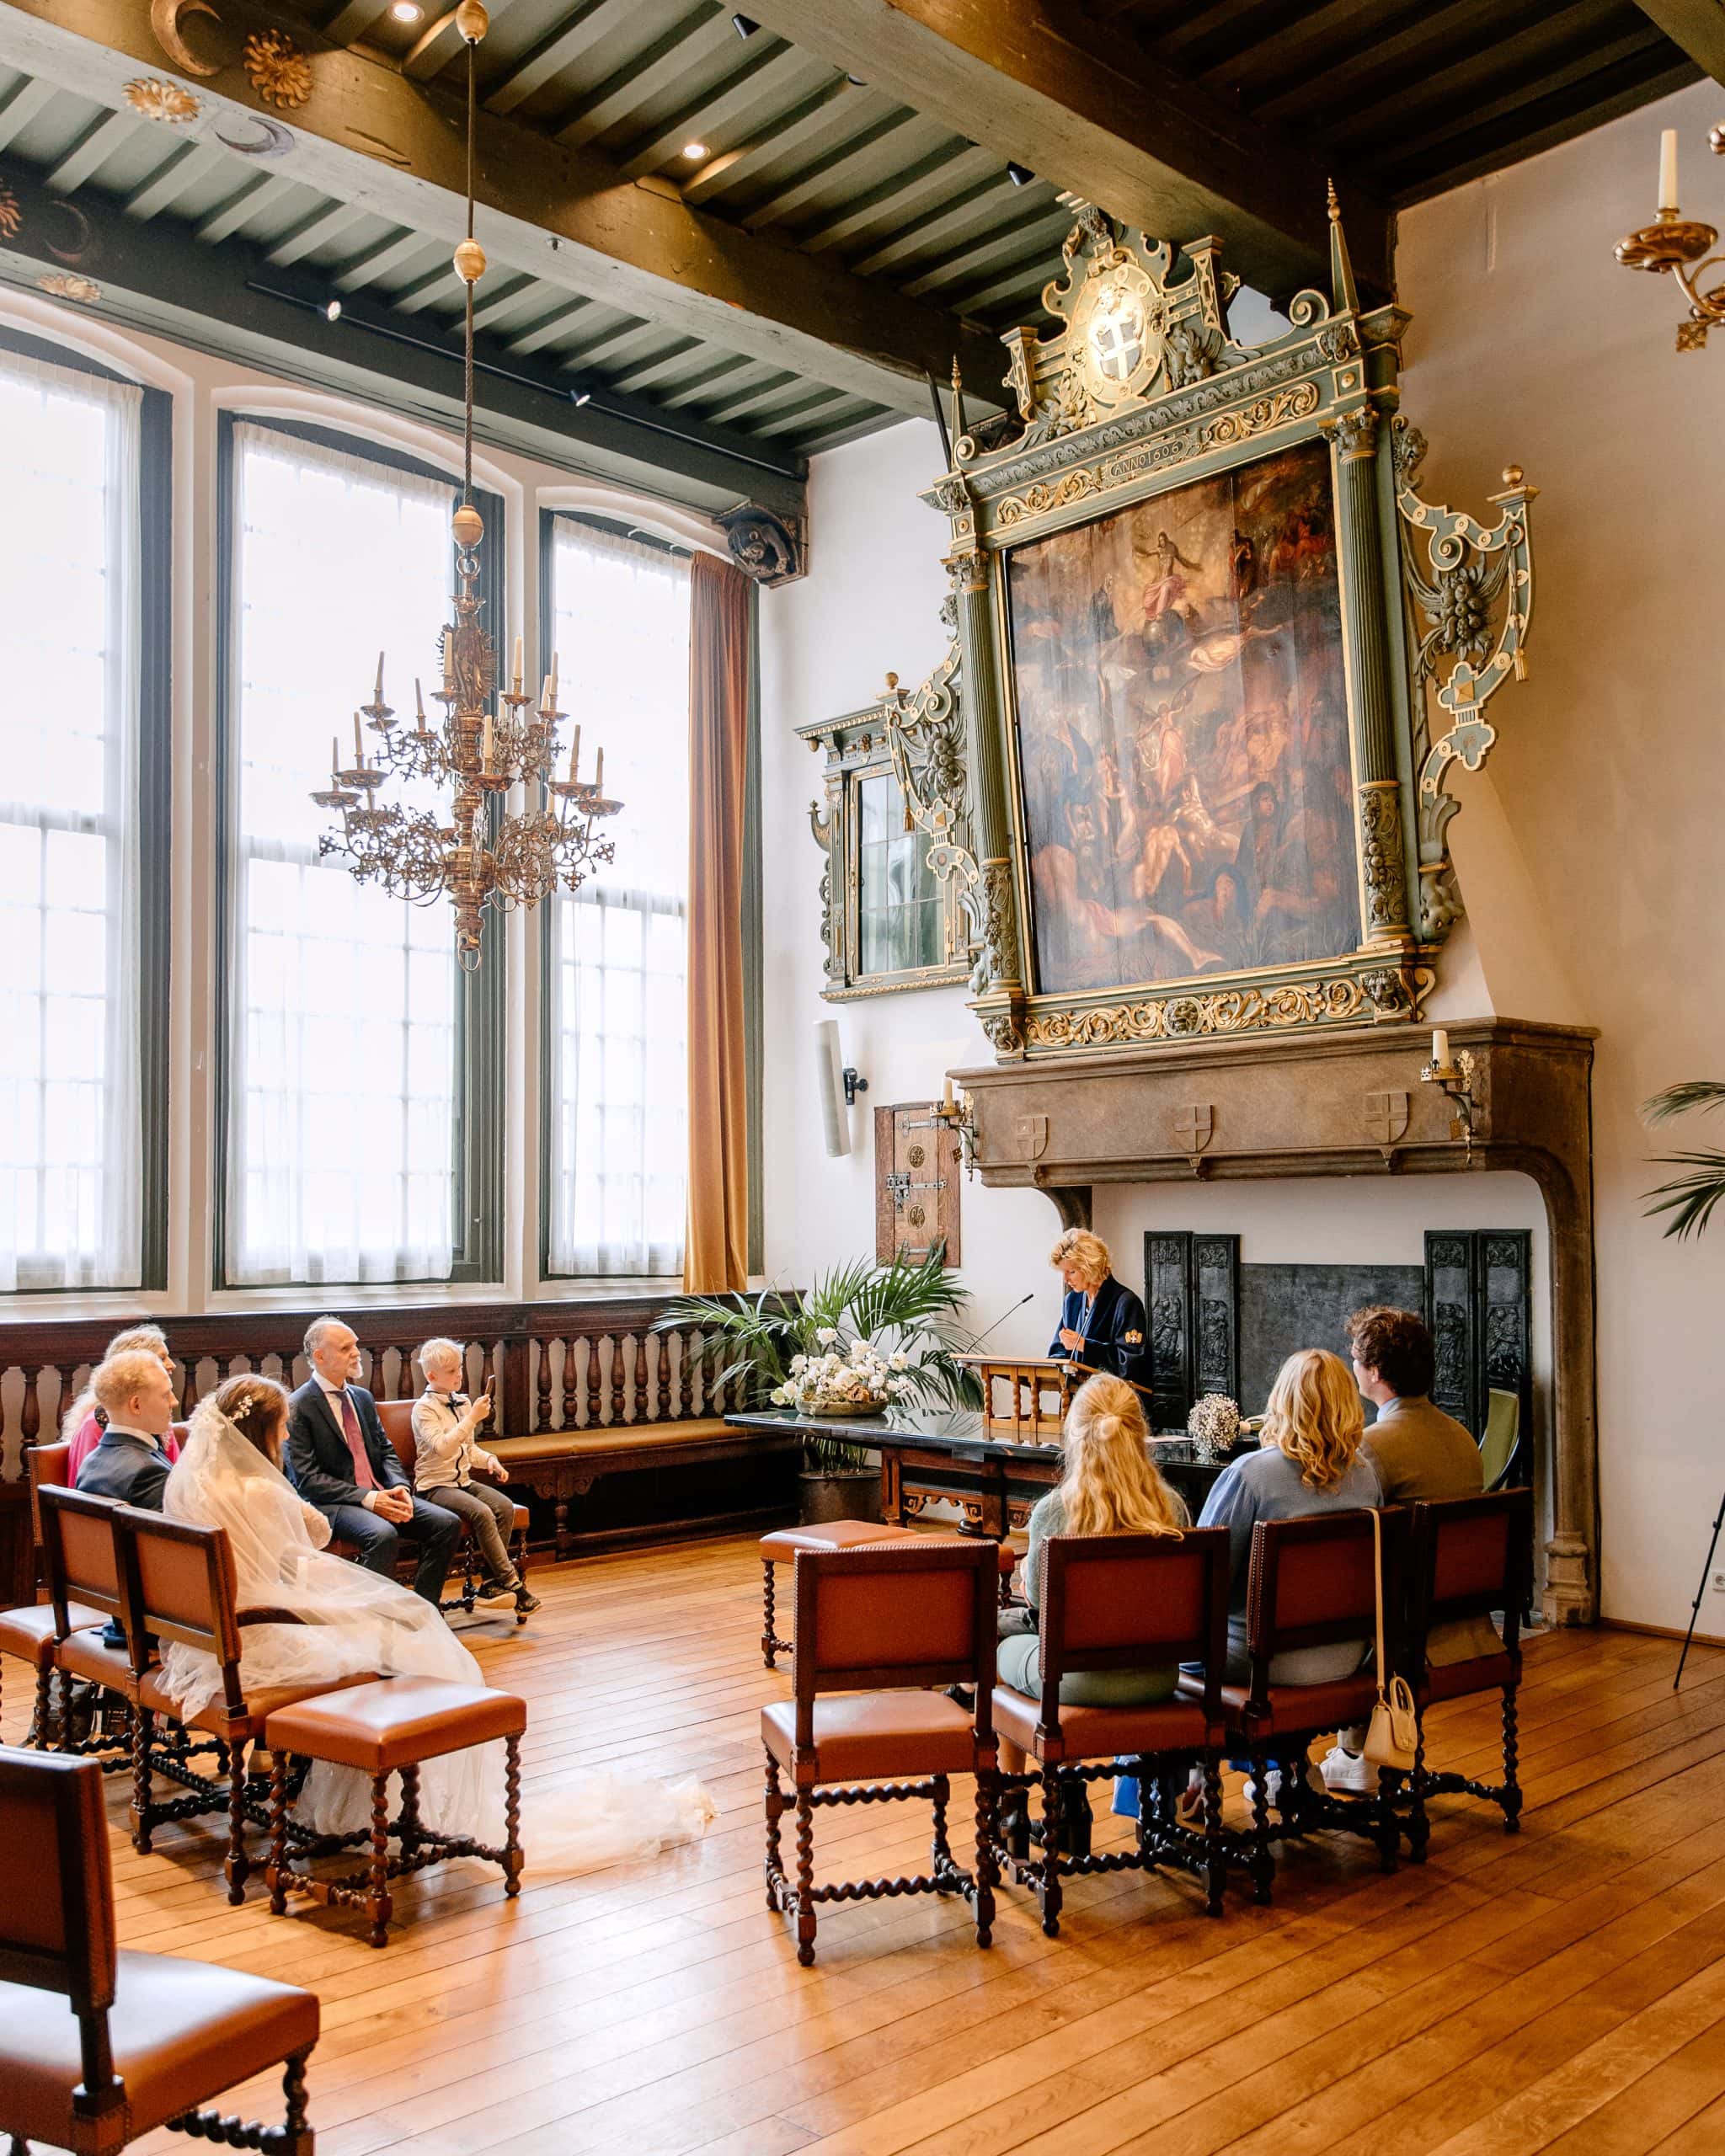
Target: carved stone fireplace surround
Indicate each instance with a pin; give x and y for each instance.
(1346, 1104)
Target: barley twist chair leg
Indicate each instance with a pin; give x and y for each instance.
(42, 1717)
(235, 1866)
(296, 2134)
(142, 1723)
(407, 1821)
(1050, 1894)
(514, 1857)
(276, 1873)
(1419, 1825)
(1387, 1832)
(1215, 1848)
(1511, 1797)
(775, 1805)
(769, 1636)
(805, 1880)
(378, 1902)
(987, 1870)
(942, 1850)
(1262, 1862)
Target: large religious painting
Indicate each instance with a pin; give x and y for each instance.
(1182, 734)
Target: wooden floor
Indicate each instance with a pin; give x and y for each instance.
(1562, 1990)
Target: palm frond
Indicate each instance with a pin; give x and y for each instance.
(1690, 1197)
(1678, 1100)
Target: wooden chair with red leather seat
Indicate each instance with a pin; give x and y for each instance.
(1470, 1558)
(1125, 1602)
(888, 1628)
(30, 1632)
(1313, 1582)
(148, 2038)
(181, 1587)
(397, 1416)
(82, 1555)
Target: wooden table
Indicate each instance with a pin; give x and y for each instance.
(932, 1455)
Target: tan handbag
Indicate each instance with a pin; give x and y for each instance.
(1394, 1733)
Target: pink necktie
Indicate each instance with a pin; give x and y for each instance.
(356, 1444)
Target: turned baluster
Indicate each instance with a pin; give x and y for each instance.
(542, 1385)
(686, 1375)
(30, 1420)
(595, 1397)
(188, 1391)
(622, 1357)
(654, 1408)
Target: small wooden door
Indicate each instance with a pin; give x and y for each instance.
(915, 1183)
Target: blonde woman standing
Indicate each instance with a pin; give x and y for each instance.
(1103, 1325)
(1110, 1486)
(1311, 1462)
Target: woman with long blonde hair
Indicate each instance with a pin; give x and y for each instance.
(1111, 1486)
(81, 1427)
(1310, 1461)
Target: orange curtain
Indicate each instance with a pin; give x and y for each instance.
(715, 1255)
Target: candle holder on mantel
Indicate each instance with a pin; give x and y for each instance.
(1454, 1073)
(1675, 242)
(960, 1115)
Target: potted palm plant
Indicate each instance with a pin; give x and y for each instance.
(1689, 1197)
(860, 1338)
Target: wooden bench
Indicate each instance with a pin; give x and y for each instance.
(560, 1466)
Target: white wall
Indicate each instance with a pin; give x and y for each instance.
(1588, 853)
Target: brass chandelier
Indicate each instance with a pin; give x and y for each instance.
(489, 740)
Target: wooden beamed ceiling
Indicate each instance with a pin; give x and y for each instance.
(766, 242)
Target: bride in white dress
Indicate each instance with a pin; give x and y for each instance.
(354, 1622)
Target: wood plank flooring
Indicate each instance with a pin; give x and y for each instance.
(1562, 1990)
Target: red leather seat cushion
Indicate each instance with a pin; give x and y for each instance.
(1488, 1673)
(1176, 1725)
(28, 1632)
(878, 1736)
(182, 2031)
(781, 1545)
(1292, 1709)
(394, 1722)
(84, 1654)
(522, 1518)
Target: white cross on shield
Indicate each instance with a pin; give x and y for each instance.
(1118, 343)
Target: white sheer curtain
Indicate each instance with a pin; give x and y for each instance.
(71, 1155)
(342, 1018)
(617, 1110)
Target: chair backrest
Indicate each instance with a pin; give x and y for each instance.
(1497, 1449)
(184, 1583)
(397, 1416)
(45, 1464)
(82, 1553)
(902, 1616)
(1133, 1602)
(1314, 1583)
(1470, 1557)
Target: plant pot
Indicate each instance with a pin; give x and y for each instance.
(824, 1410)
(853, 1495)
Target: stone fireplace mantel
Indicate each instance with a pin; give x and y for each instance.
(1347, 1103)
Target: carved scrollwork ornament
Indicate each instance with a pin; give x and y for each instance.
(1383, 856)
(1000, 923)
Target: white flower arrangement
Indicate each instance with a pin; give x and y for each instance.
(1213, 1425)
(848, 1378)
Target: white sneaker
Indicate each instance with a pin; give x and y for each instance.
(1272, 1788)
(1350, 1772)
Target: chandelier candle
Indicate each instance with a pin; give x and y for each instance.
(468, 848)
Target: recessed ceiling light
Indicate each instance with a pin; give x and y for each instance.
(332, 310)
(692, 151)
(406, 11)
(1020, 175)
(745, 26)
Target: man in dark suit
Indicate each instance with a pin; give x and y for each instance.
(344, 1465)
(136, 1393)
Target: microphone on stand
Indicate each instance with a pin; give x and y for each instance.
(1000, 1320)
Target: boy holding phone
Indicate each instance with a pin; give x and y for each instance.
(447, 1452)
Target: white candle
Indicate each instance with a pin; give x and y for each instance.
(599, 773)
(335, 756)
(420, 703)
(485, 744)
(545, 696)
(1668, 169)
(1440, 1049)
(359, 745)
(553, 680)
(378, 694)
(946, 1097)
(518, 666)
(574, 754)
(448, 664)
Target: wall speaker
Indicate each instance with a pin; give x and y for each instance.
(829, 1085)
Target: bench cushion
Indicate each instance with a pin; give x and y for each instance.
(381, 1727)
(615, 1437)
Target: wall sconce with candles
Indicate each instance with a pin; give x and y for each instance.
(958, 1115)
(1454, 1073)
(1675, 242)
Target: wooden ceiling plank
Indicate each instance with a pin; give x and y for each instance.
(351, 23)
(684, 362)
(787, 390)
(816, 116)
(239, 209)
(699, 392)
(190, 164)
(507, 300)
(704, 117)
(433, 50)
(561, 49)
(799, 190)
(29, 98)
(1018, 249)
(689, 41)
(813, 440)
(549, 328)
(1303, 45)
(1696, 27)
(382, 261)
(967, 214)
(1378, 62)
(91, 150)
(315, 231)
(1086, 109)
(558, 214)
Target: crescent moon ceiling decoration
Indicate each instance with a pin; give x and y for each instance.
(83, 250)
(272, 139)
(164, 21)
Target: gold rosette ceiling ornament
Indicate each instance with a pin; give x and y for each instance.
(489, 740)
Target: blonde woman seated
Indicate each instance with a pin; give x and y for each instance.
(349, 1621)
(1111, 1486)
(81, 1426)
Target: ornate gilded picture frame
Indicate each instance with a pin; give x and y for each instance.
(1218, 656)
